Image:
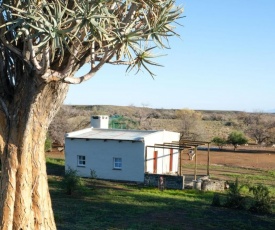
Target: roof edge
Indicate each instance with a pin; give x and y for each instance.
(68, 135)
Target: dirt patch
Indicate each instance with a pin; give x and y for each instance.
(258, 158)
(55, 154)
(226, 164)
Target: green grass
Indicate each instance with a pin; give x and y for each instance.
(108, 205)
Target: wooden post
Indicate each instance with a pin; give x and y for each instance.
(208, 160)
(180, 162)
(145, 163)
(195, 176)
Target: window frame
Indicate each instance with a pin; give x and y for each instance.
(117, 163)
(80, 159)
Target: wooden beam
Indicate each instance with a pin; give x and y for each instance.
(180, 169)
(195, 171)
(208, 160)
(195, 142)
(145, 163)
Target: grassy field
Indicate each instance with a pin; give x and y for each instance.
(108, 205)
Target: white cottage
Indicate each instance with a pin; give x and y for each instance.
(117, 154)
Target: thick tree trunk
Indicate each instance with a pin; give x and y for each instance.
(25, 200)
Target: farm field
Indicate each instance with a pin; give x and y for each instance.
(109, 205)
(248, 157)
(245, 163)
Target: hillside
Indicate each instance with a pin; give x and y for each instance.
(210, 123)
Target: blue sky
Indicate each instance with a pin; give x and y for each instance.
(224, 60)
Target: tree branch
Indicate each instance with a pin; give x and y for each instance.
(107, 56)
(119, 62)
(45, 60)
(131, 13)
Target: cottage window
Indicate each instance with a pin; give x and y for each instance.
(117, 163)
(81, 160)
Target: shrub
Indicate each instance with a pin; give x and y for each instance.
(48, 144)
(93, 174)
(234, 198)
(71, 181)
(229, 123)
(262, 199)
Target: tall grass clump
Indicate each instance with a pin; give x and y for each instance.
(234, 198)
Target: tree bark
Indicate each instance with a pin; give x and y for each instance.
(25, 200)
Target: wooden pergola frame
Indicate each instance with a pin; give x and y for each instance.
(181, 145)
(196, 144)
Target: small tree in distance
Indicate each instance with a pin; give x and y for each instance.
(190, 124)
(236, 138)
(219, 141)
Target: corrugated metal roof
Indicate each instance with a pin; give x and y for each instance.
(110, 134)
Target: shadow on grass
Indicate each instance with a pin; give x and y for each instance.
(107, 205)
(149, 208)
(55, 167)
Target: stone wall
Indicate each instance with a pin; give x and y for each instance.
(164, 181)
(213, 185)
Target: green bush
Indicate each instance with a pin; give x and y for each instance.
(48, 144)
(219, 141)
(236, 138)
(234, 198)
(259, 202)
(262, 200)
(71, 181)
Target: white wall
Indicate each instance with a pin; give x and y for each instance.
(99, 157)
(163, 160)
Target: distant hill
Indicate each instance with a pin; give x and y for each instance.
(212, 123)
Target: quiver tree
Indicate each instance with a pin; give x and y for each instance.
(42, 45)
